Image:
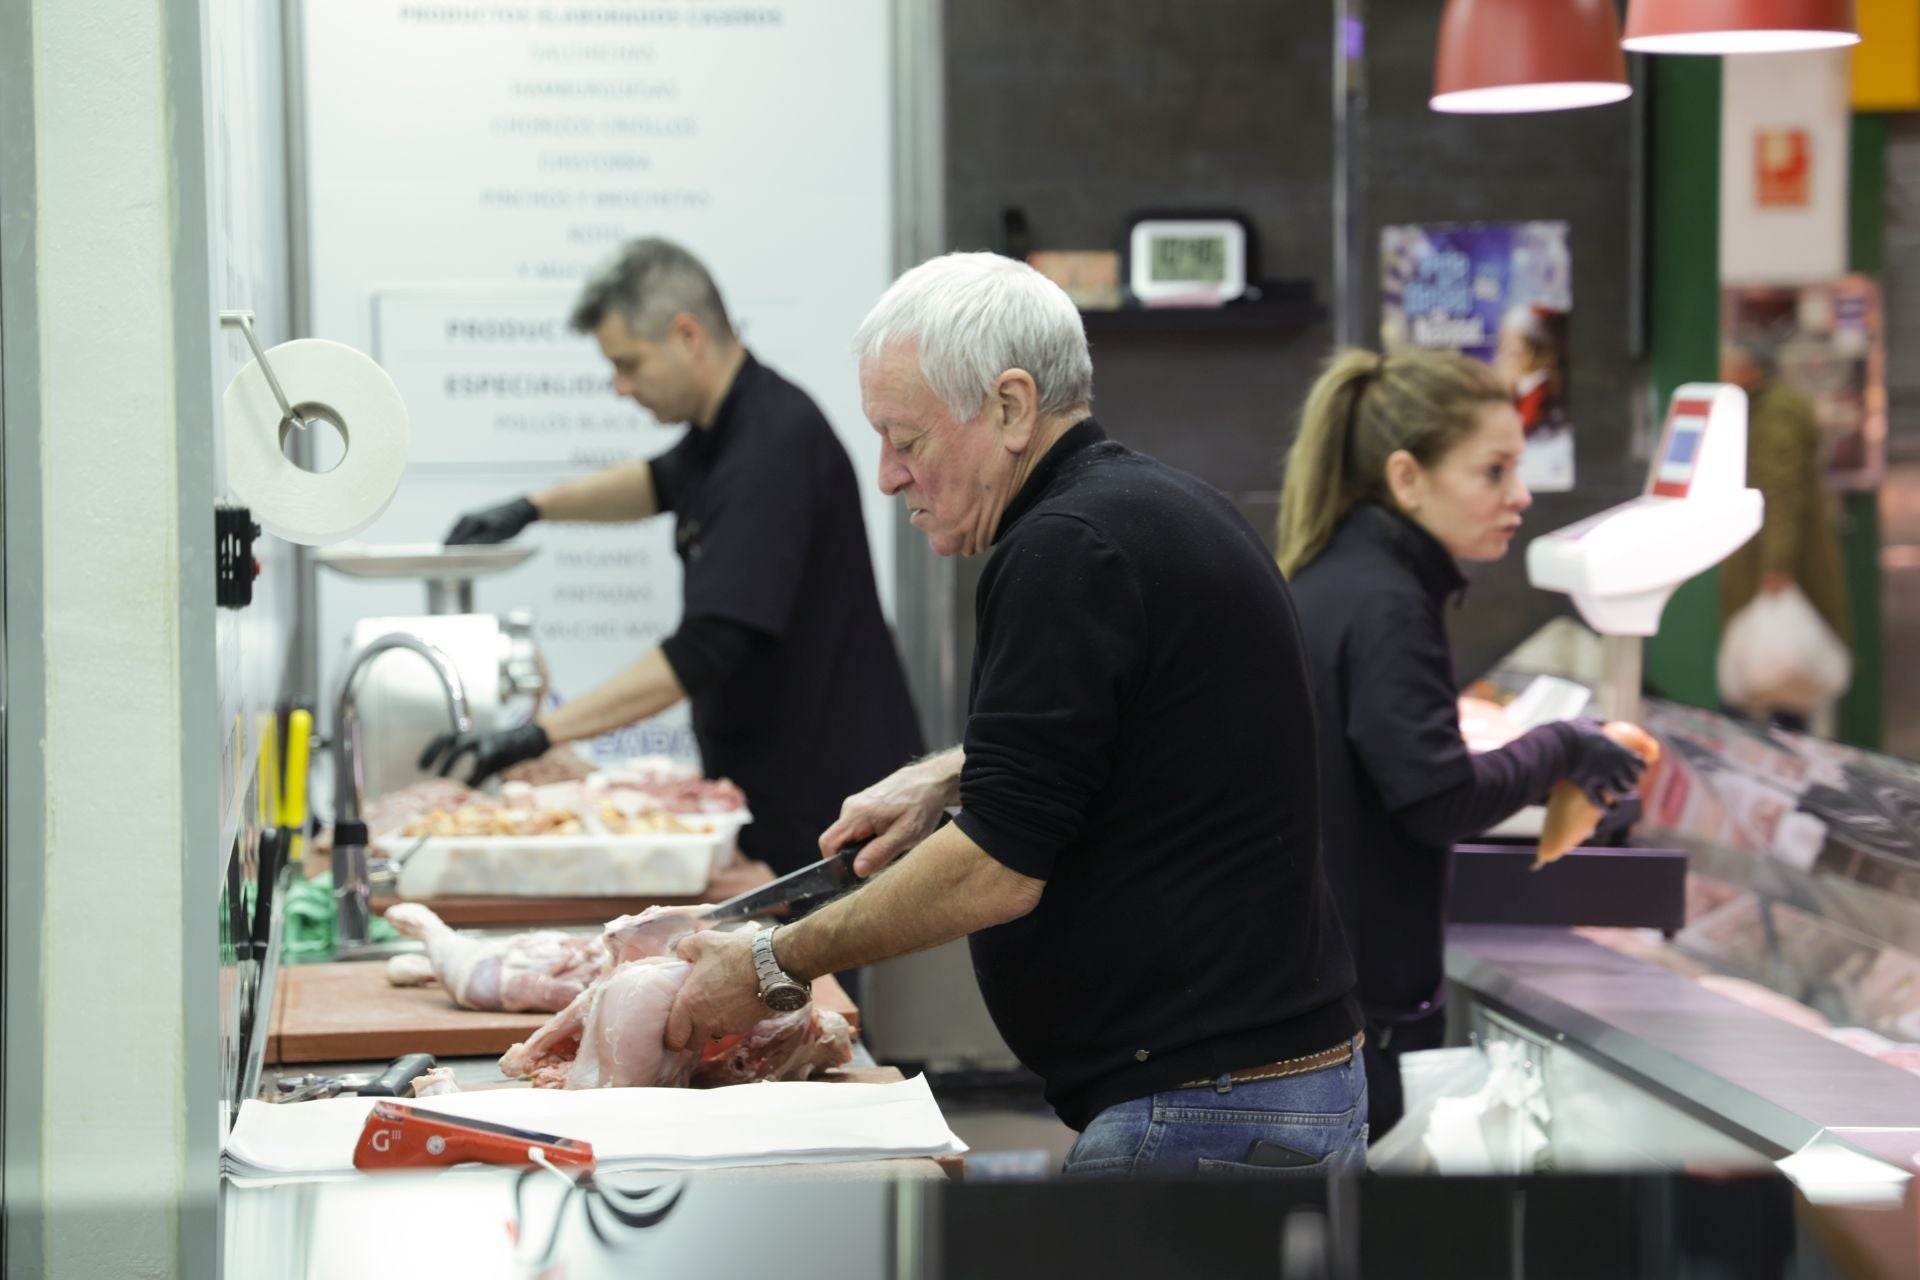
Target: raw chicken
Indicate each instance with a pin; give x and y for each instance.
(657, 931)
(410, 970)
(787, 1046)
(543, 971)
(437, 1081)
(679, 788)
(614, 1033)
(395, 809)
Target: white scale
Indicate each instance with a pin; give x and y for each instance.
(1623, 565)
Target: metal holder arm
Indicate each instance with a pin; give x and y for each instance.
(243, 321)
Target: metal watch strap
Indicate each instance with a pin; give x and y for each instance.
(766, 965)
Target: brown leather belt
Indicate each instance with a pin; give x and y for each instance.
(1340, 1053)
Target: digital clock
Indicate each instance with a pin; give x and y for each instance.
(1187, 260)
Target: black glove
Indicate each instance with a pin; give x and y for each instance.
(492, 752)
(495, 524)
(1602, 768)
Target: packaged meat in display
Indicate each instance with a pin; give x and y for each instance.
(542, 971)
(1732, 936)
(1571, 817)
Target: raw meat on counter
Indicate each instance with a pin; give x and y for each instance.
(437, 1081)
(443, 807)
(539, 972)
(416, 800)
(678, 787)
(484, 818)
(654, 932)
(410, 970)
(613, 1034)
(633, 813)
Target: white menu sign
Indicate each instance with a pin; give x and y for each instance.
(469, 163)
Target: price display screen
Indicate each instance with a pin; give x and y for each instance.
(1201, 259)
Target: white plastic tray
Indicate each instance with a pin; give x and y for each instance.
(588, 865)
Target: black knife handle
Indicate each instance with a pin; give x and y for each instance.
(266, 879)
(397, 1080)
(239, 924)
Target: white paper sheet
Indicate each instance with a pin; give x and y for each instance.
(784, 1123)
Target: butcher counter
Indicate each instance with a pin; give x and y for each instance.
(1641, 1067)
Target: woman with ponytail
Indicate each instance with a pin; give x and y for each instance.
(1405, 465)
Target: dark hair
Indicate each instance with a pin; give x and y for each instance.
(649, 282)
(1363, 409)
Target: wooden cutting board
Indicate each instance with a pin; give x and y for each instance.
(346, 1012)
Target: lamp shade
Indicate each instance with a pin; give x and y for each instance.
(1528, 55)
(1739, 26)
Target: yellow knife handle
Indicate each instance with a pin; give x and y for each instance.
(267, 782)
(293, 809)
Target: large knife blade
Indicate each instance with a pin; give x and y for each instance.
(810, 885)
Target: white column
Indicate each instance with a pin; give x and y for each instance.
(128, 1066)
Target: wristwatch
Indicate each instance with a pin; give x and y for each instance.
(780, 991)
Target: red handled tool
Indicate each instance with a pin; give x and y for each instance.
(398, 1136)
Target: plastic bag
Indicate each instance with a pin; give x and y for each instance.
(1473, 1110)
(1778, 654)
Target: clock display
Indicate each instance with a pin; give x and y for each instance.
(1200, 259)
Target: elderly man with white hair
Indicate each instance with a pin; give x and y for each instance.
(1136, 857)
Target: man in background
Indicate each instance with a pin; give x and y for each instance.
(1798, 544)
(797, 690)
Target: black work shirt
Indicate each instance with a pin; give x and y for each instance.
(1389, 718)
(769, 531)
(1140, 737)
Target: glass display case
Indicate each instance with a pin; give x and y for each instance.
(1804, 876)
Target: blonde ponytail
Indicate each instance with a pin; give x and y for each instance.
(1313, 497)
(1364, 408)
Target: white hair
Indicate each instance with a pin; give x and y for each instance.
(974, 316)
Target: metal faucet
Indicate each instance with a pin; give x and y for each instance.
(352, 886)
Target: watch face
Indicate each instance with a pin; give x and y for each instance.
(785, 997)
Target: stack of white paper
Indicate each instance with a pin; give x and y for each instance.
(751, 1124)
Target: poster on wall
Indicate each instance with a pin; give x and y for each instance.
(1500, 292)
(1783, 167)
(757, 136)
(1826, 341)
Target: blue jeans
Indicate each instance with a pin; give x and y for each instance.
(1297, 1126)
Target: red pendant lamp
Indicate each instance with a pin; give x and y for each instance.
(1528, 55)
(1739, 26)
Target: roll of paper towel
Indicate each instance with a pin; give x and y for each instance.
(340, 385)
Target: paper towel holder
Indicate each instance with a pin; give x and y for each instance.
(243, 321)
